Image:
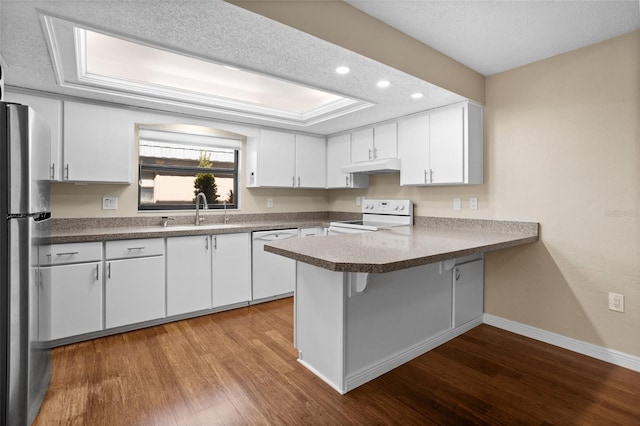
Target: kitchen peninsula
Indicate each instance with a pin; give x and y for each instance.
(367, 303)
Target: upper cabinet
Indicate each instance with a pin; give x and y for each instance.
(286, 160)
(339, 155)
(374, 143)
(442, 147)
(51, 111)
(98, 143)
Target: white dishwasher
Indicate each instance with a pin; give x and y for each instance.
(273, 276)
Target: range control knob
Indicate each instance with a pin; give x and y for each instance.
(401, 208)
(395, 207)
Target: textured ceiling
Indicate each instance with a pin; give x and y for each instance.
(494, 36)
(220, 31)
(488, 36)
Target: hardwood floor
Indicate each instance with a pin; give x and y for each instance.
(239, 367)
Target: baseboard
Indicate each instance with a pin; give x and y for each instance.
(384, 366)
(322, 377)
(589, 349)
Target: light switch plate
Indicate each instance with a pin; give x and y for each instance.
(109, 203)
(269, 202)
(457, 203)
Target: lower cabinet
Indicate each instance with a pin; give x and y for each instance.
(231, 257)
(70, 290)
(188, 274)
(70, 300)
(468, 291)
(134, 286)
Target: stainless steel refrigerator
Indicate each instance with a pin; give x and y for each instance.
(24, 226)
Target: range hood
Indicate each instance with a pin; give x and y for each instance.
(375, 167)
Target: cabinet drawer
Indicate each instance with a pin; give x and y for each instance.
(134, 248)
(58, 254)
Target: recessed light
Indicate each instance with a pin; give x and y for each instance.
(383, 84)
(417, 95)
(342, 70)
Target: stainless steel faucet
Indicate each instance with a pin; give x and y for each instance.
(206, 206)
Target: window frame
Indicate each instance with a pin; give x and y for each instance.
(187, 171)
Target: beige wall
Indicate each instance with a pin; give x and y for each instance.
(562, 147)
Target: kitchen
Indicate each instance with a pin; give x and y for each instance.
(549, 132)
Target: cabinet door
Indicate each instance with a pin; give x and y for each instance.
(98, 143)
(339, 155)
(311, 155)
(413, 141)
(362, 145)
(51, 111)
(385, 141)
(446, 143)
(231, 269)
(468, 291)
(134, 291)
(70, 300)
(188, 274)
(277, 159)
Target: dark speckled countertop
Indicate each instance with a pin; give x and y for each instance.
(430, 240)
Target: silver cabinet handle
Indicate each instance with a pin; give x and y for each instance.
(293, 181)
(298, 181)
(206, 243)
(346, 181)
(66, 171)
(97, 272)
(369, 153)
(68, 253)
(375, 153)
(136, 248)
(430, 175)
(215, 243)
(426, 179)
(53, 170)
(457, 274)
(109, 270)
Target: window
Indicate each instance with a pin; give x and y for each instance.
(176, 165)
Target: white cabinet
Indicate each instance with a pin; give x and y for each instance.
(273, 275)
(276, 159)
(413, 136)
(231, 256)
(362, 145)
(188, 274)
(134, 286)
(339, 155)
(442, 147)
(375, 143)
(51, 111)
(98, 143)
(70, 295)
(468, 291)
(286, 160)
(310, 162)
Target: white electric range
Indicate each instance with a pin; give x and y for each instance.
(376, 215)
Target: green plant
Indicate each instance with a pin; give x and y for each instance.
(205, 182)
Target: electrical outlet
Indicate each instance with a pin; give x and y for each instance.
(269, 202)
(473, 203)
(109, 203)
(358, 201)
(457, 203)
(616, 302)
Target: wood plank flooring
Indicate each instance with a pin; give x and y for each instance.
(239, 367)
